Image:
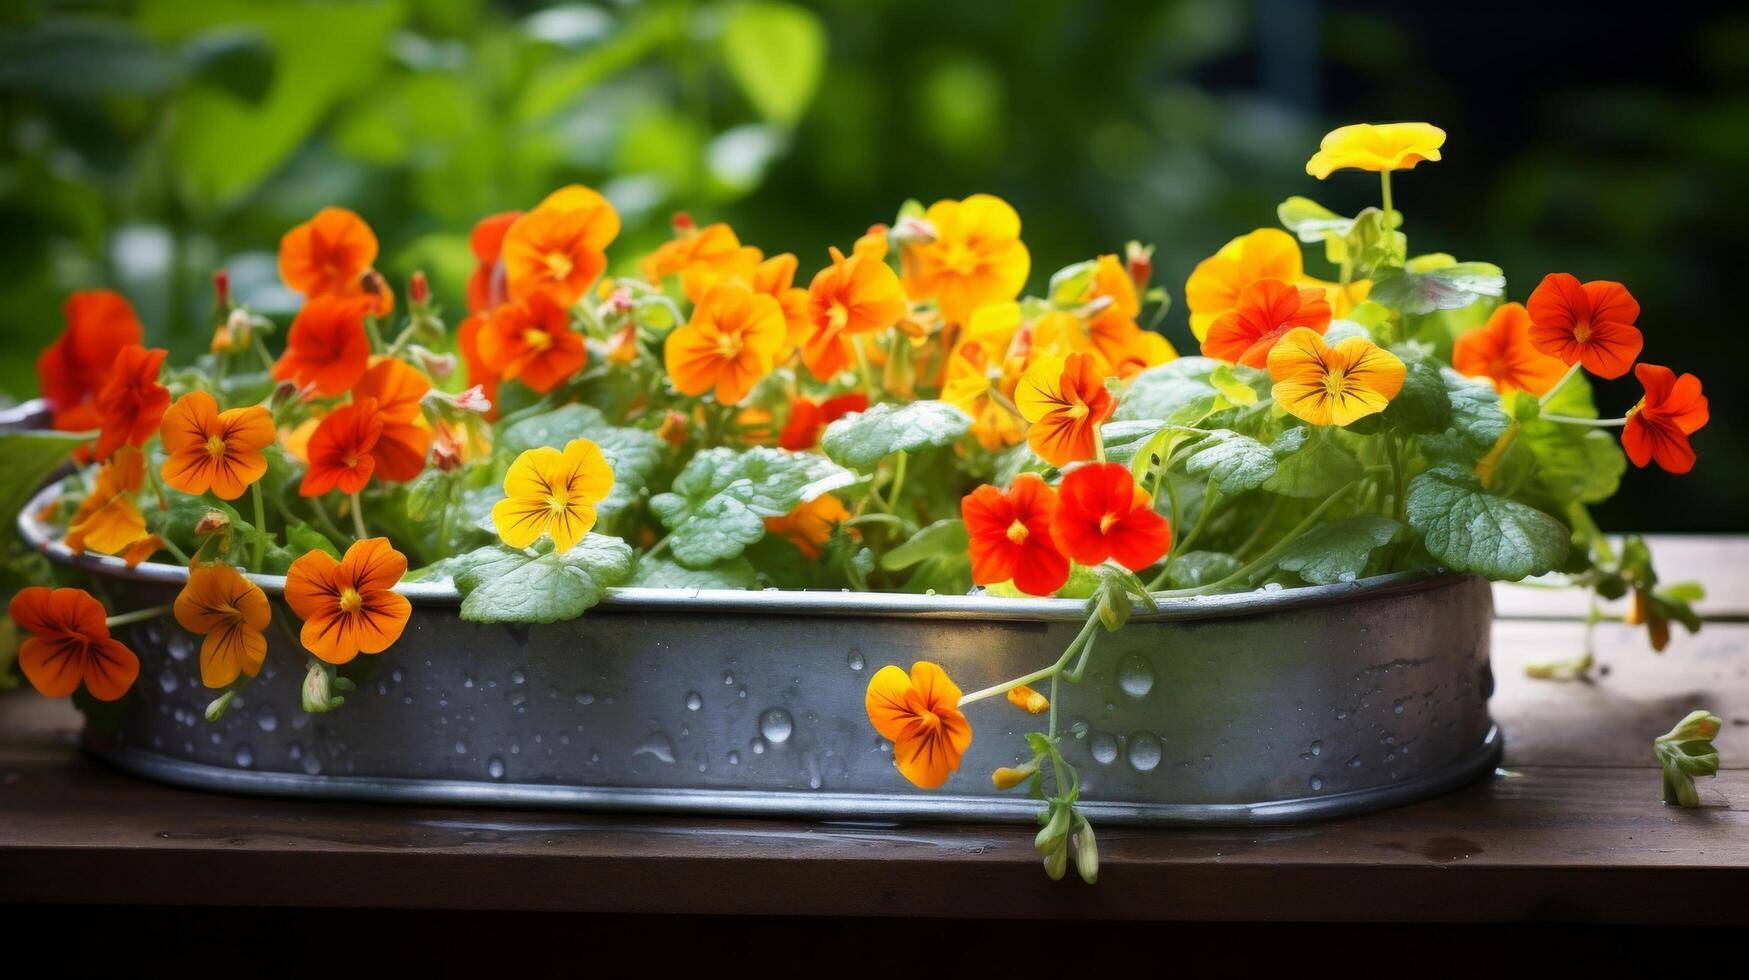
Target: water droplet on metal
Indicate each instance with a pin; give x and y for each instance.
(584, 697)
(1135, 676)
(1144, 751)
(856, 661)
(1354, 763)
(1318, 748)
(267, 718)
(657, 745)
(517, 677)
(179, 646)
(757, 745)
(1104, 748)
(461, 747)
(245, 755)
(776, 725)
(734, 758)
(167, 681)
(1317, 783)
(694, 701)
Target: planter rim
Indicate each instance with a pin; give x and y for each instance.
(796, 601)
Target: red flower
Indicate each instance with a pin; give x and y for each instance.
(1659, 426)
(341, 449)
(486, 286)
(133, 402)
(326, 347)
(1011, 536)
(531, 341)
(1592, 324)
(1267, 309)
(74, 368)
(70, 644)
(1101, 514)
(397, 389)
(808, 418)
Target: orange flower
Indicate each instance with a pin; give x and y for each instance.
(702, 258)
(213, 450)
(343, 450)
(397, 389)
(73, 369)
(730, 343)
(851, 296)
(133, 402)
(486, 285)
(1215, 283)
(973, 257)
(1338, 385)
(1590, 324)
(809, 526)
(230, 611)
(467, 344)
(560, 247)
(1101, 514)
(531, 341)
(109, 520)
(70, 644)
(1116, 343)
(1064, 402)
(1011, 536)
(1028, 700)
(1502, 352)
(920, 715)
(973, 385)
(775, 277)
(327, 349)
(346, 605)
(329, 255)
(1267, 309)
(808, 418)
(1659, 425)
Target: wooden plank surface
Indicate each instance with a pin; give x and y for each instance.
(1719, 562)
(1572, 831)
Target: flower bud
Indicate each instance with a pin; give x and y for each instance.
(1685, 752)
(914, 230)
(1057, 861)
(318, 688)
(1054, 832)
(1006, 777)
(217, 707)
(418, 288)
(221, 289)
(674, 428)
(683, 224)
(439, 366)
(1139, 263)
(1029, 700)
(1086, 854)
(212, 522)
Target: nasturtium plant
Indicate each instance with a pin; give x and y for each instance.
(891, 416)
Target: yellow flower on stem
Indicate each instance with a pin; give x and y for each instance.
(1338, 385)
(551, 492)
(230, 611)
(1379, 148)
(920, 715)
(973, 257)
(1064, 401)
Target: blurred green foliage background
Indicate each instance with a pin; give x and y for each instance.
(144, 144)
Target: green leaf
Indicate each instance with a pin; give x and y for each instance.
(1310, 463)
(1422, 405)
(1195, 568)
(776, 52)
(938, 557)
(1475, 409)
(1167, 391)
(28, 459)
(500, 584)
(1338, 551)
(1469, 530)
(1446, 287)
(862, 439)
(660, 573)
(1236, 463)
(719, 501)
(301, 539)
(634, 454)
(1374, 245)
(1310, 221)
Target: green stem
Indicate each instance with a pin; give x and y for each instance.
(358, 517)
(1598, 423)
(1385, 195)
(1075, 645)
(171, 547)
(868, 384)
(891, 519)
(659, 546)
(1183, 547)
(260, 550)
(1262, 527)
(122, 619)
(443, 518)
(326, 522)
(1264, 560)
(1549, 396)
(898, 480)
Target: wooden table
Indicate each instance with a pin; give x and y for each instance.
(1570, 830)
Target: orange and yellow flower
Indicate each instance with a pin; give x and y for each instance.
(230, 611)
(850, 297)
(327, 349)
(348, 606)
(973, 256)
(775, 277)
(531, 341)
(1376, 147)
(1064, 401)
(1337, 385)
(213, 450)
(560, 247)
(702, 257)
(69, 645)
(487, 288)
(1267, 309)
(553, 493)
(1215, 284)
(132, 403)
(1590, 324)
(920, 715)
(1659, 425)
(974, 386)
(397, 389)
(730, 344)
(74, 369)
(109, 520)
(809, 525)
(1102, 514)
(342, 450)
(1011, 537)
(328, 255)
(1501, 351)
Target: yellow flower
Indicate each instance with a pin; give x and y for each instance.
(1216, 282)
(981, 375)
(231, 612)
(1337, 385)
(551, 492)
(1387, 146)
(974, 258)
(108, 520)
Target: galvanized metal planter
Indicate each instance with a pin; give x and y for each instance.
(1265, 707)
